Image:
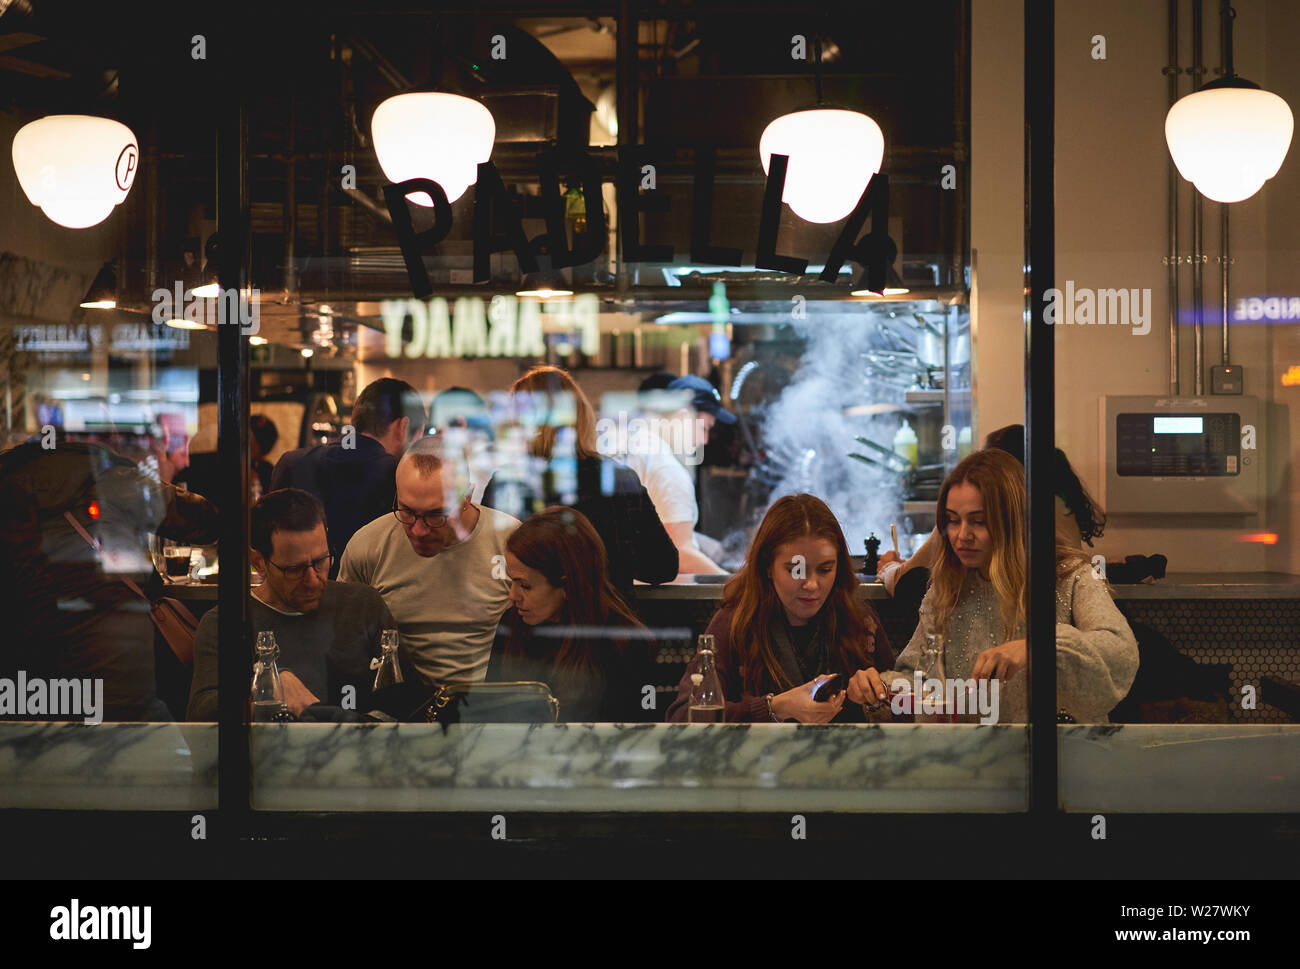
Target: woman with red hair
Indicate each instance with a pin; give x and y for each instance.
(568, 626)
(790, 619)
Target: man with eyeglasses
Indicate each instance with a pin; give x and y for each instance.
(327, 631)
(439, 562)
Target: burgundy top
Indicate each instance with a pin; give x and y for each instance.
(742, 706)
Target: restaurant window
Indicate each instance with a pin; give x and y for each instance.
(598, 403)
(107, 352)
(1174, 409)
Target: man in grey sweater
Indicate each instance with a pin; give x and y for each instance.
(327, 631)
(439, 563)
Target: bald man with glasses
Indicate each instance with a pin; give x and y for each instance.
(327, 632)
(439, 562)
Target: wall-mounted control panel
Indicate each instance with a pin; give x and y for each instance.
(1181, 455)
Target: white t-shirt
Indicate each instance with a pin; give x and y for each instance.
(447, 607)
(670, 486)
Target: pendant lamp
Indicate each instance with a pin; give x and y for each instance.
(75, 167)
(433, 135)
(1230, 137)
(833, 155)
(102, 294)
(833, 152)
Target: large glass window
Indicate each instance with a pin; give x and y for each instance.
(629, 416)
(1173, 408)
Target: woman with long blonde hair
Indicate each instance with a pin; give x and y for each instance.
(975, 600)
(789, 620)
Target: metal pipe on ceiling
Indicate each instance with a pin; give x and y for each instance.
(1198, 254)
(1172, 258)
(290, 204)
(628, 117)
(1225, 245)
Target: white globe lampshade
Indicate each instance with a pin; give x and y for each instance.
(833, 154)
(76, 167)
(1229, 141)
(442, 137)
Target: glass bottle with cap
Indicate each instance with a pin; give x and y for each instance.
(266, 699)
(387, 670)
(708, 703)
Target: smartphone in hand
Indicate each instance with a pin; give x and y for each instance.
(829, 688)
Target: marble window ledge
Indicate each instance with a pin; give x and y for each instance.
(653, 768)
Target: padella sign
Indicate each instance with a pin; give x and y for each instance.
(506, 327)
(498, 228)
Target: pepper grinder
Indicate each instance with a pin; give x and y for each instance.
(873, 555)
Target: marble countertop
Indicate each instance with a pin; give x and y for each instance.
(653, 767)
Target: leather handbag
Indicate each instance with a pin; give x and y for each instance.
(174, 621)
(512, 702)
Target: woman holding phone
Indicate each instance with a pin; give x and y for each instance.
(790, 624)
(568, 626)
(976, 600)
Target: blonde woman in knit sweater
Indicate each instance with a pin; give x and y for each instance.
(975, 601)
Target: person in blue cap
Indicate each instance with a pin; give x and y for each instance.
(664, 448)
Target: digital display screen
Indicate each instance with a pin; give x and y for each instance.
(1178, 425)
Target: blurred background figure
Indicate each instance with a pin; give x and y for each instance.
(570, 471)
(355, 477)
(674, 429)
(68, 612)
(201, 475)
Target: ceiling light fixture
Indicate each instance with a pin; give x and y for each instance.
(433, 135)
(543, 285)
(893, 285)
(1230, 137)
(209, 288)
(833, 151)
(102, 294)
(75, 167)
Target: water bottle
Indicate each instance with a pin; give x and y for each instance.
(932, 668)
(267, 696)
(708, 702)
(387, 670)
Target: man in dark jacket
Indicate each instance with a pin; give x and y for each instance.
(355, 478)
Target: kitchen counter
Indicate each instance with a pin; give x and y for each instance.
(1175, 585)
(652, 767)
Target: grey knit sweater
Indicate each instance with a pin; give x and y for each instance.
(1096, 652)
